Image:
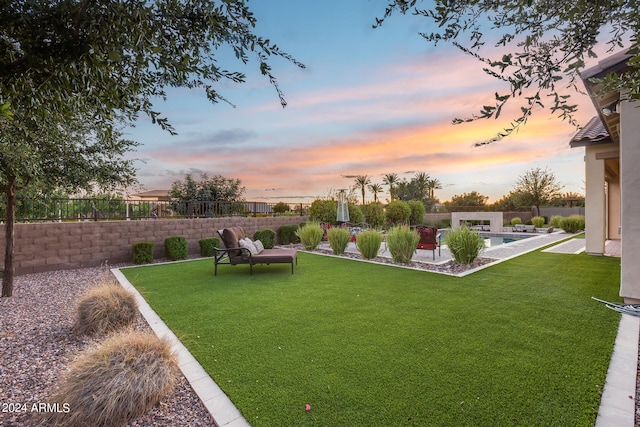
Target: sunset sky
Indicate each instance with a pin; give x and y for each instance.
(370, 102)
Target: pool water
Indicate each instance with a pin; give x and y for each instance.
(494, 239)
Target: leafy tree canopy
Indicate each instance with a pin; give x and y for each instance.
(467, 201)
(216, 188)
(537, 48)
(74, 72)
(536, 187)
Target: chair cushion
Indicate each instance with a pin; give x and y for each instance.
(231, 236)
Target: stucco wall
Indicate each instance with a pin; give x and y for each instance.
(59, 246)
(630, 189)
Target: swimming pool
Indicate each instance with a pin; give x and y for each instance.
(495, 239)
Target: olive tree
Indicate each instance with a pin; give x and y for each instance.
(536, 187)
(537, 48)
(73, 73)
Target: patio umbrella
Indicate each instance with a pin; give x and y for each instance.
(343, 208)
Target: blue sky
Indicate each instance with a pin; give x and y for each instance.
(369, 102)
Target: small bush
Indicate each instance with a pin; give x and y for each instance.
(537, 221)
(573, 223)
(287, 234)
(104, 309)
(368, 243)
(116, 381)
(465, 245)
(402, 243)
(310, 235)
(374, 214)
(176, 247)
(338, 239)
(556, 221)
(267, 236)
(142, 252)
(207, 245)
(280, 208)
(398, 212)
(417, 212)
(324, 211)
(516, 220)
(355, 214)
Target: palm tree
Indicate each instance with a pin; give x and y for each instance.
(375, 189)
(433, 184)
(421, 181)
(391, 179)
(361, 182)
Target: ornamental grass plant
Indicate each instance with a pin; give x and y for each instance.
(310, 235)
(402, 242)
(368, 243)
(573, 223)
(464, 244)
(105, 309)
(116, 381)
(338, 239)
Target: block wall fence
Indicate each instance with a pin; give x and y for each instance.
(62, 246)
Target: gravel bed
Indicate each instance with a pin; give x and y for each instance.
(37, 343)
(450, 267)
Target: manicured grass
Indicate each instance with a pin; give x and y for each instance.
(520, 343)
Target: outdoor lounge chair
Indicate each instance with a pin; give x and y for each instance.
(234, 254)
(428, 239)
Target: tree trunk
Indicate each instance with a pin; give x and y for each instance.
(7, 275)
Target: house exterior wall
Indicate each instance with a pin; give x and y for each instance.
(61, 246)
(630, 195)
(595, 199)
(614, 214)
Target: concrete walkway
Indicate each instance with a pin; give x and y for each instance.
(617, 407)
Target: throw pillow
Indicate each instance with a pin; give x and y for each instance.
(259, 246)
(247, 243)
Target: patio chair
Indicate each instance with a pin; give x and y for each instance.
(428, 239)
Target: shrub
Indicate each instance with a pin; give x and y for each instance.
(537, 221)
(267, 236)
(142, 252)
(207, 245)
(368, 243)
(287, 234)
(573, 223)
(417, 212)
(176, 247)
(280, 208)
(324, 211)
(445, 223)
(465, 245)
(310, 235)
(116, 381)
(374, 214)
(338, 239)
(398, 212)
(556, 221)
(402, 243)
(516, 220)
(104, 309)
(355, 214)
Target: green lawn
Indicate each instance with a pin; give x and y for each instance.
(520, 343)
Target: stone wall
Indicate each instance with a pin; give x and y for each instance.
(60, 246)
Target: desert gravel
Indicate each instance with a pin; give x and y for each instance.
(37, 344)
